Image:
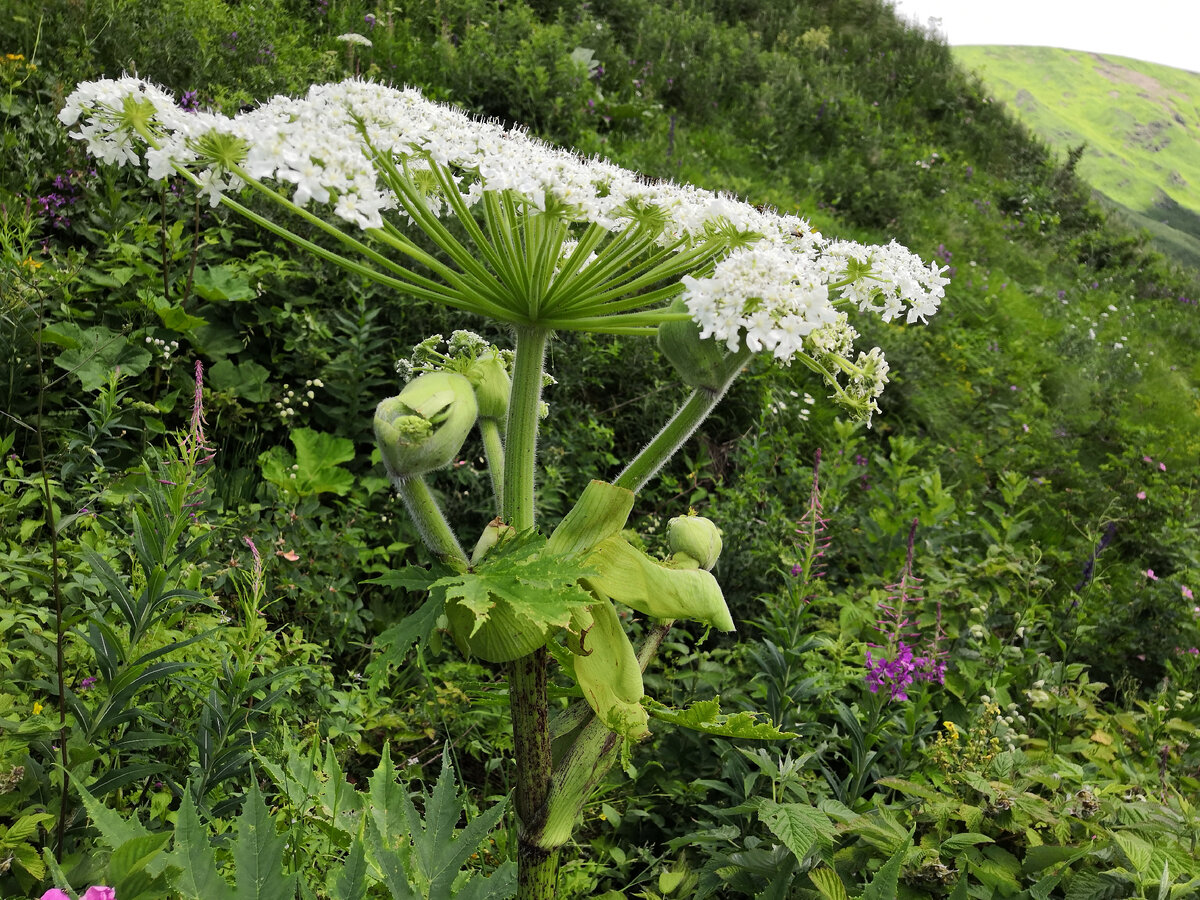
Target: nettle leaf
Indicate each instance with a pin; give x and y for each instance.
(800, 827)
(706, 716)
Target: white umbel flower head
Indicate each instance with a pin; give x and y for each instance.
(750, 278)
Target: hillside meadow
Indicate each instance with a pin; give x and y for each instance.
(1130, 125)
(376, 521)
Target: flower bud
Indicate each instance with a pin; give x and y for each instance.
(696, 536)
(495, 533)
(489, 376)
(700, 363)
(424, 427)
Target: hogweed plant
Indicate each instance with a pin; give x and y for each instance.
(543, 241)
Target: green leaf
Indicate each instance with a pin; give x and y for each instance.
(25, 827)
(911, 789)
(957, 842)
(100, 351)
(351, 883)
(885, 884)
(258, 854)
(26, 856)
(222, 283)
(668, 881)
(517, 594)
(706, 716)
(798, 826)
(199, 878)
(175, 318)
(315, 467)
(827, 881)
(1047, 855)
(247, 380)
(114, 829)
(129, 866)
(1137, 851)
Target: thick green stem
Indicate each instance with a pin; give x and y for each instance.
(431, 523)
(493, 449)
(537, 866)
(588, 761)
(681, 426)
(521, 433)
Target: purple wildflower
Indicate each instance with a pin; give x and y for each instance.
(370, 20)
(898, 666)
(190, 101)
(1090, 565)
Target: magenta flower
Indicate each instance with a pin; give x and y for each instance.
(1150, 574)
(99, 892)
(56, 894)
(1141, 495)
(1147, 459)
(1187, 592)
(1162, 466)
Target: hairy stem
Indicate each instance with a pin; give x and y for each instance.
(430, 521)
(681, 426)
(537, 866)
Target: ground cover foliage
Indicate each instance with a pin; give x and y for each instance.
(184, 709)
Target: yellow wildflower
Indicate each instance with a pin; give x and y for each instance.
(37, 708)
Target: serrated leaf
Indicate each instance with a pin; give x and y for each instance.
(26, 856)
(258, 854)
(910, 788)
(351, 883)
(798, 826)
(827, 881)
(957, 842)
(885, 884)
(1137, 851)
(706, 716)
(396, 642)
(1047, 855)
(199, 877)
(114, 829)
(519, 592)
(25, 827)
(130, 867)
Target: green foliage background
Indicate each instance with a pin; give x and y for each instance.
(1043, 430)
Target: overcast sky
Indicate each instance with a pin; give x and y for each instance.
(1160, 31)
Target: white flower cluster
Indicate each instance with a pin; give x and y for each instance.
(781, 282)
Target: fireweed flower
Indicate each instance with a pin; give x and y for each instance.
(558, 241)
(898, 665)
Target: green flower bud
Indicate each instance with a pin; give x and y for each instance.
(490, 378)
(495, 533)
(696, 536)
(700, 363)
(424, 427)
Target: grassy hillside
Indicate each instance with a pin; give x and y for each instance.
(1140, 123)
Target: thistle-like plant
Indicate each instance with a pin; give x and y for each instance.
(544, 241)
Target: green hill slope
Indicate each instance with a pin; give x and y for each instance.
(1140, 123)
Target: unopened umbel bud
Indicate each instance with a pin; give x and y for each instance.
(696, 536)
(492, 385)
(700, 363)
(424, 427)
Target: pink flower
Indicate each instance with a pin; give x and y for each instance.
(1187, 592)
(1026, 428)
(56, 894)
(1147, 459)
(1150, 574)
(1163, 466)
(99, 892)
(1141, 495)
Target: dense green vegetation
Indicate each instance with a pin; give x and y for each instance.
(1135, 121)
(192, 675)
